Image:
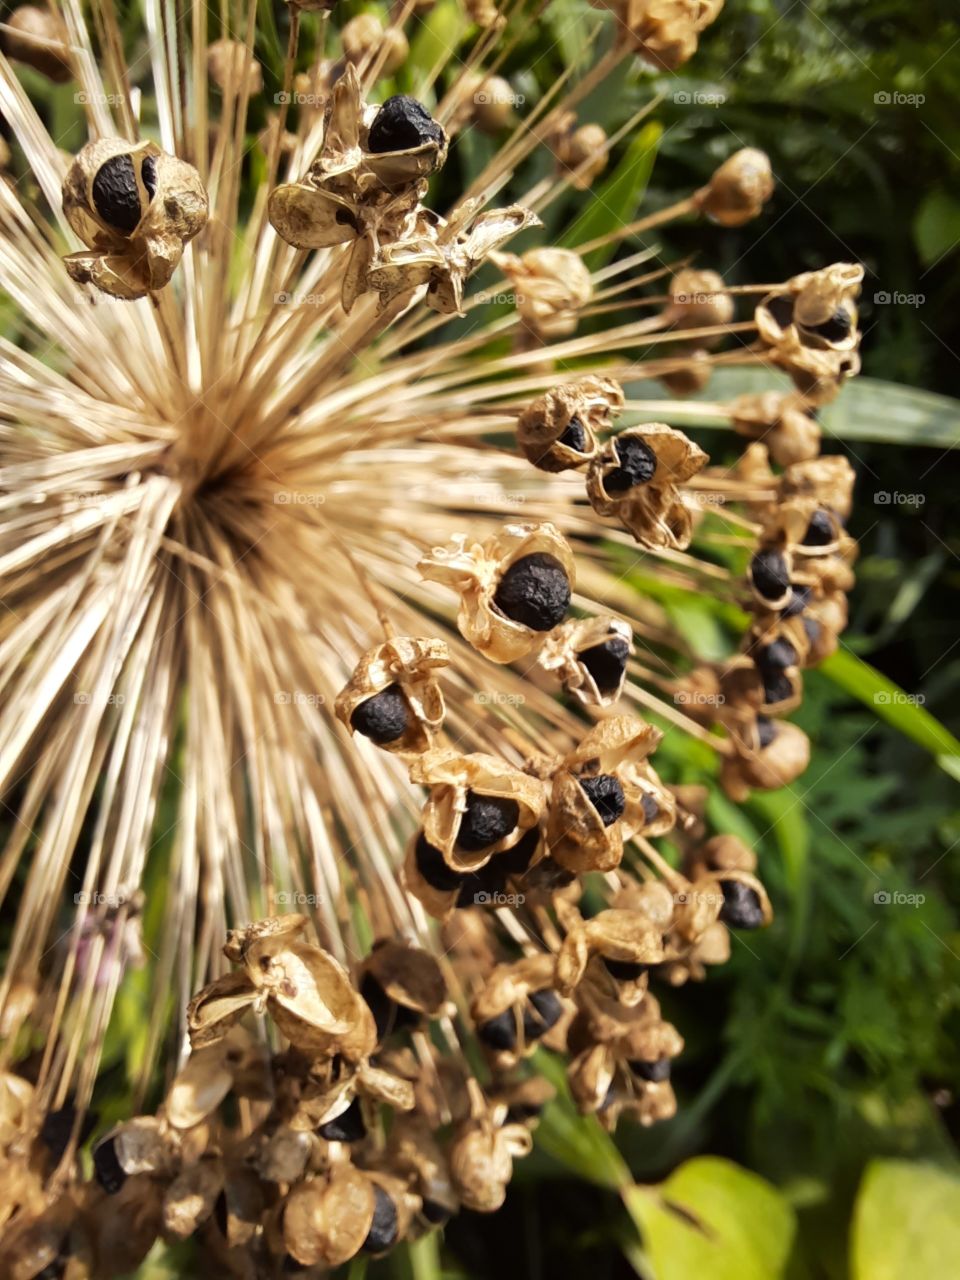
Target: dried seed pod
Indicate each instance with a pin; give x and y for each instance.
(402, 985)
(809, 328)
(189, 1200)
(590, 655)
(557, 431)
(627, 943)
(745, 901)
(582, 153)
(479, 806)
(481, 1160)
(769, 754)
(136, 208)
(38, 38)
(552, 287)
(739, 189)
(401, 141)
(327, 1218)
(200, 1086)
(781, 422)
(698, 300)
(596, 800)
(393, 696)
(516, 1007)
(512, 588)
(635, 477)
(828, 480)
(664, 33)
(232, 68)
(493, 104)
(138, 1146)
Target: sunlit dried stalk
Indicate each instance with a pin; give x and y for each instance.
(262, 513)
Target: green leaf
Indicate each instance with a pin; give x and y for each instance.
(616, 201)
(713, 1219)
(906, 1222)
(576, 1141)
(867, 409)
(891, 704)
(437, 35)
(936, 226)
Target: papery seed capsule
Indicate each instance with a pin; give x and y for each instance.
(402, 124)
(741, 905)
(486, 820)
(654, 1072)
(388, 1015)
(837, 327)
(606, 796)
(769, 572)
(346, 1127)
(820, 531)
(385, 1227)
(534, 591)
(384, 717)
(431, 865)
(638, 462)
(107, 1167)
(606, 663)
(781, 309)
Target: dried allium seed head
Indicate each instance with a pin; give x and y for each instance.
(739, 189)
(233, 69)
(535, 594)
(135, 208)
(393, 696)
(38, 38)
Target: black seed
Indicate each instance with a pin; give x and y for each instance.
(479, 887)
(781, 308)
(836, 328)
(542, 1011)
(401, 124)
(148, 172)
(769, 572)
(381, 1006)
(516, 860)
(432, 867)
(777, 656)
(624, 970)
(741, 905)
(346, 1127)
(383, 1230)
(651, 810)
(606, 663)
(486, 820)
(652, 1071)
(220, 1215)
(766, 731)
(812, 628)
(819, 530)
(638, 463)
(435, 1213)
(115, 194)
(520, 1112)
(499, 1032)
(776, 687)
(384, 717)
(290, 1265)
(574, 437)
(107, 1167)
(535, 591)
(797, 602)
(58, 1125)
(606, 795)
(54, 1270)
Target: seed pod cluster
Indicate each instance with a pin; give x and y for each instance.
(809, 329)
(135, 208)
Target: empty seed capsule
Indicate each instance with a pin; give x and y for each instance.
(535, 591)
